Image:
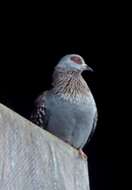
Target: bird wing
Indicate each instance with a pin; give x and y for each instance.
(39, 115)
(94, 127)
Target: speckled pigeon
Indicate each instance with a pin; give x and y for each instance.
(68, 109)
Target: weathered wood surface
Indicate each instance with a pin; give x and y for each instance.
(33, 159)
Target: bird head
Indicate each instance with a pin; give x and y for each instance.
(73, 62)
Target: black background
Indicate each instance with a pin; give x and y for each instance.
(31, 48)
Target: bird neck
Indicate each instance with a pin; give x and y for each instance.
(70, 84)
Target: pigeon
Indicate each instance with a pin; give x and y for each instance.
(68, 110)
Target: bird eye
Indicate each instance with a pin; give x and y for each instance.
(76, 59)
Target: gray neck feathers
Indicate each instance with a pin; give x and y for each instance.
(70, 85)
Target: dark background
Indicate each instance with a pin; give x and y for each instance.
(29, 52)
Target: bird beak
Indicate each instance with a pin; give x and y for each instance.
(88, 68)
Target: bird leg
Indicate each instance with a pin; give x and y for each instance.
(82, 154)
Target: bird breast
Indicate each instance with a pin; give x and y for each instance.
(70, 121)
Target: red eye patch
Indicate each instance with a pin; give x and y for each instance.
(76, 59)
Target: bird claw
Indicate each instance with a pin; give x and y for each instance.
(82, 154)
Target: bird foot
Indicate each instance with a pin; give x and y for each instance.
(82, 154)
